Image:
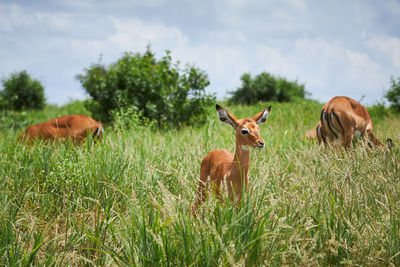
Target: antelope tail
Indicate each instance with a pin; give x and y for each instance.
(98, 133)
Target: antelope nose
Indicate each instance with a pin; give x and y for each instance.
(260, 144)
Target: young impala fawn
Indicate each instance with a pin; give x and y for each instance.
(220, 165)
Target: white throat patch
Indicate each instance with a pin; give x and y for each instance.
(247, 148)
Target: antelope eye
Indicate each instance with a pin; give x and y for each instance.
(245, 131)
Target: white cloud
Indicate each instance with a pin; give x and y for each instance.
(13, 16)
(388, 47)
(258, 16)
(109, 4)
(134, 33)
(331, 69)
(223, 63)
(361, 68)
(272, 60)
(322, 53)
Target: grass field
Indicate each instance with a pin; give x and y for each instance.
(127, 200)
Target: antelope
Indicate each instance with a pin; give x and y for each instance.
(220, 165)
(312, 133)
(75, 127)
(344, 119)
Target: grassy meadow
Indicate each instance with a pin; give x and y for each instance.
(127, 200)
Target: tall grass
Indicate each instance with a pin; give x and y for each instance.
(127, 200)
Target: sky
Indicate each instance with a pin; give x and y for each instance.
(334, 47)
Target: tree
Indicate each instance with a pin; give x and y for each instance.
(266, 87)
(156, 89)
(21, 92)
(393, 94)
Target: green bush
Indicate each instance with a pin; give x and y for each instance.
(21, 92)
(393, 94)
(11, 119)
(266, 87)
(129, 118)
(159, 90)
(378, 111)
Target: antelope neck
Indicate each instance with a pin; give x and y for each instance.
(240, 165)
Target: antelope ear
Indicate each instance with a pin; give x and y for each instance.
(262, 116)
(226, 117)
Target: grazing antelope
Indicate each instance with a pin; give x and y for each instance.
(75, 127)
(220, 165)
(342, 120)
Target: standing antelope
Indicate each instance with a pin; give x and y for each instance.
(342, 120)
(220, 164)
(75, 127)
